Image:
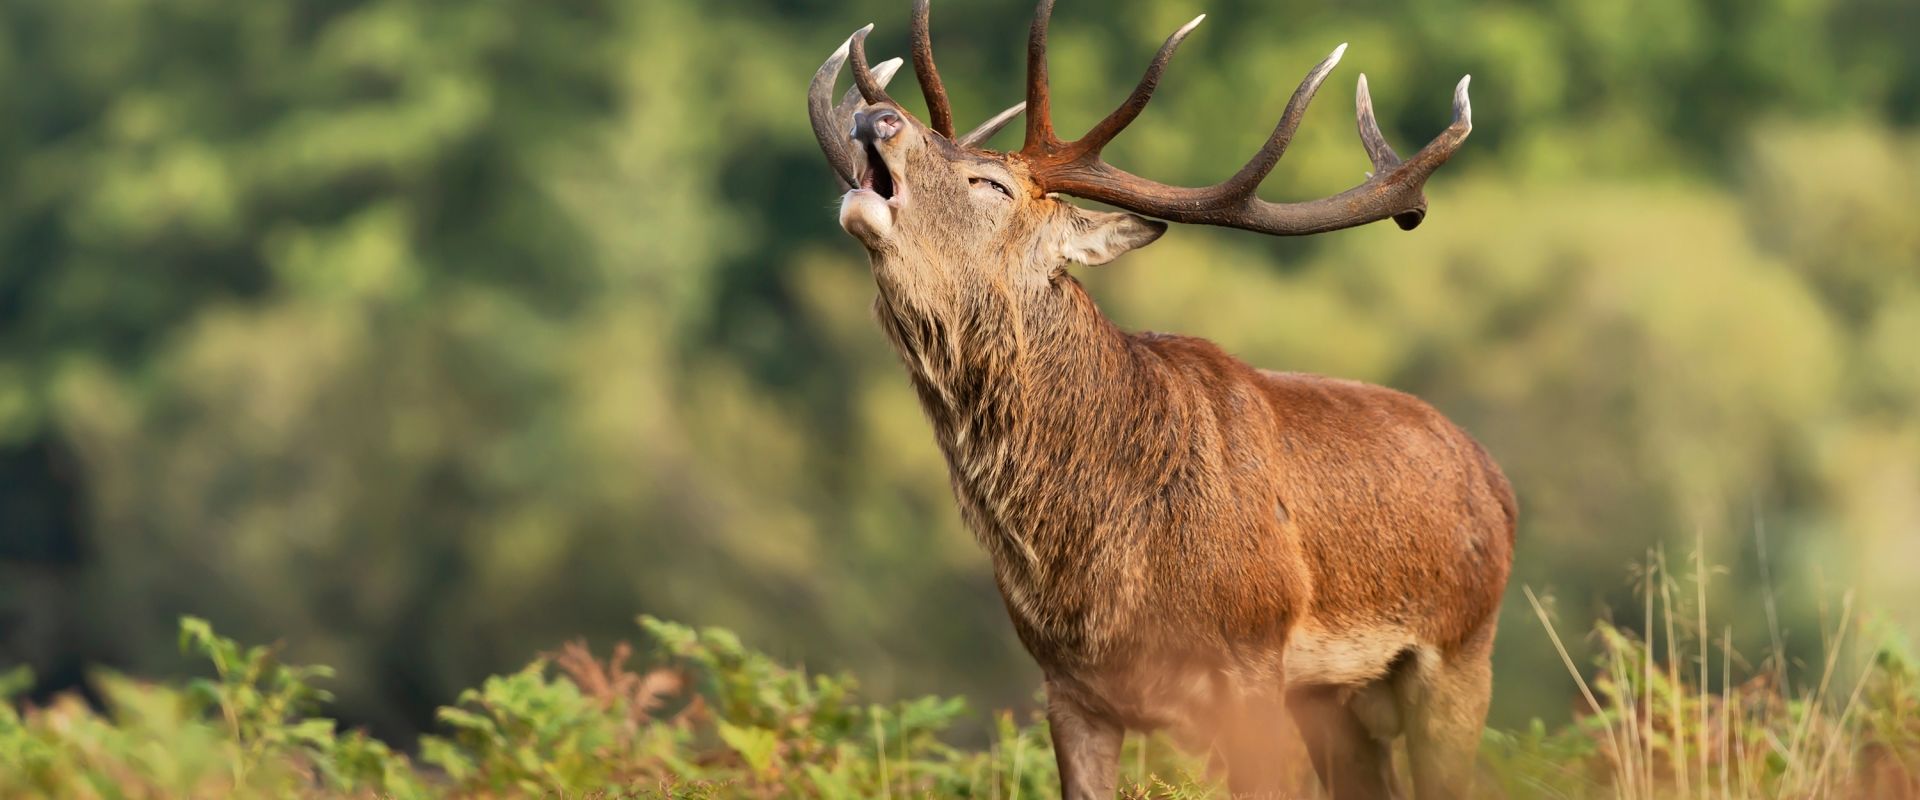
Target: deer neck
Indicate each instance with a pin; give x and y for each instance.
(1046, 416)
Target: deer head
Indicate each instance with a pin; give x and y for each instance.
(943, 218)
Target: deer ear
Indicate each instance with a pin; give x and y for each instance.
(1097, 237)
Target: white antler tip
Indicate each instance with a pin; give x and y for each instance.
(1463, 105)
(1338, 52)
(1188, 28)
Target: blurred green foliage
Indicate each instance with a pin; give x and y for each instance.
(425, 335)
(703, 717)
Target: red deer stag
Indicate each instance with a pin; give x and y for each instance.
(1183, 542)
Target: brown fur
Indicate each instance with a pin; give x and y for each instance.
(1169, 526)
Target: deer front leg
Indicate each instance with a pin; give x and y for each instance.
(1086, 746)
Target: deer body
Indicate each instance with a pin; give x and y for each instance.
(1183, 542)
(1172, 529)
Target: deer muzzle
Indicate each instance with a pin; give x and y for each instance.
(877, 129)
(868, 211)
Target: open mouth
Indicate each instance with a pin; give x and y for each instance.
(876, 178)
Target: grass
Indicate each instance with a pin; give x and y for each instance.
(1687, 718)
(700, 715)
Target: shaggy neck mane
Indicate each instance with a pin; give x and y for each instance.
(1051, 420)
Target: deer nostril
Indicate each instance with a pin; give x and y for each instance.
(886, 124)
(877, 124)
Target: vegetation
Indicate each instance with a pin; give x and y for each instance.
(703, 716)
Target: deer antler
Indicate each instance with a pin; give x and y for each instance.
(939, 111)
(1393, 189)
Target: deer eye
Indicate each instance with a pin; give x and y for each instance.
(993, 183)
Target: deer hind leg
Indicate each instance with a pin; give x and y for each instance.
(1444, 704)
(1352, 763)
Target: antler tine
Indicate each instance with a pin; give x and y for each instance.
(852, 101)
(1245, 182)
(863, 77)
(939, 110)
(1442, 146)
(1378, 151)
(825, 118)
(979, 136)
(1040, 138)
(1097, 138)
